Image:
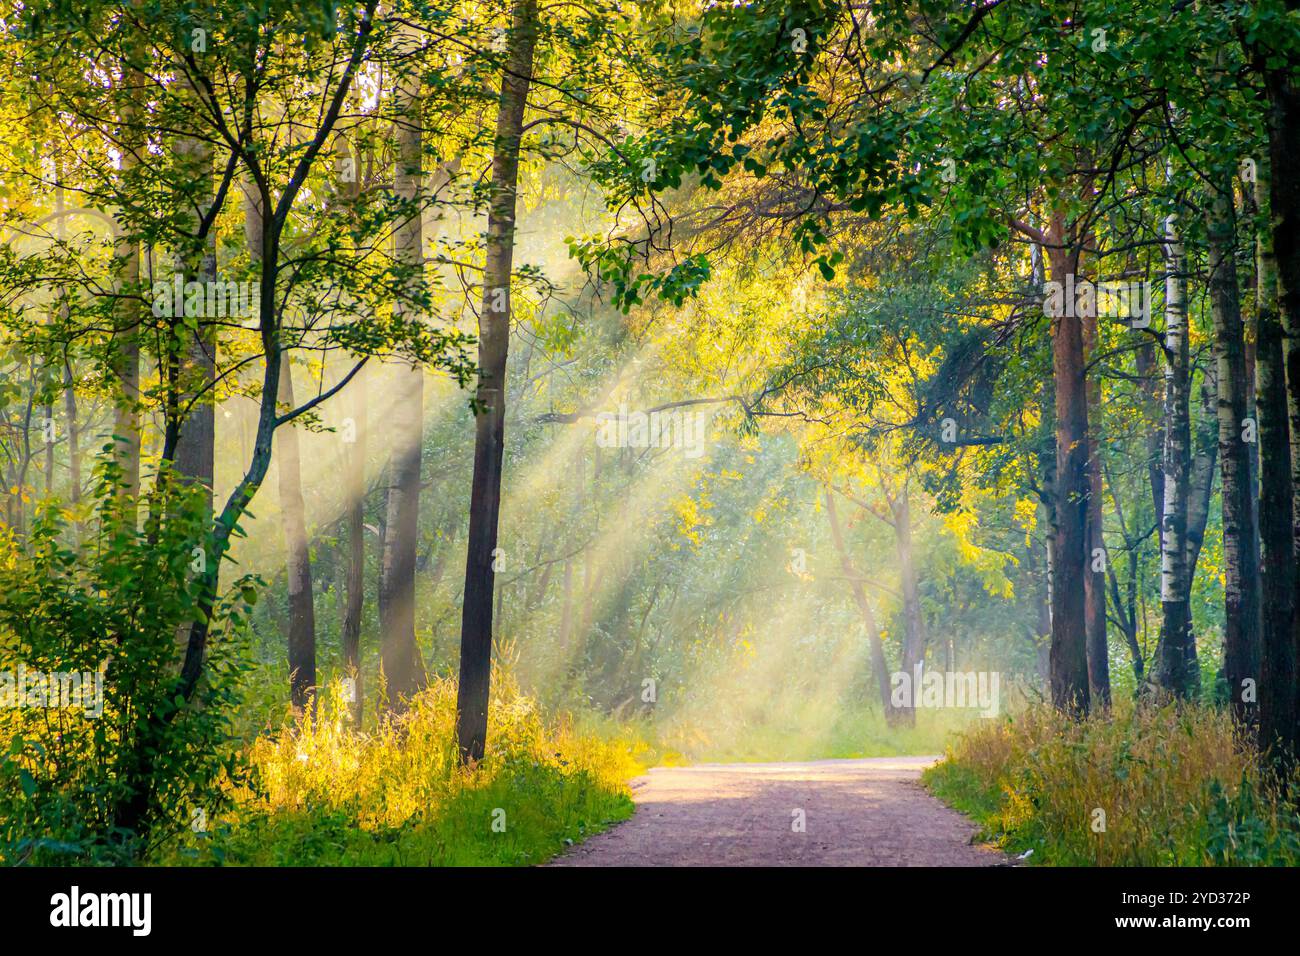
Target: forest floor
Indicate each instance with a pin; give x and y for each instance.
(869, 812)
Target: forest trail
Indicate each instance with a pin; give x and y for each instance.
(870, 812)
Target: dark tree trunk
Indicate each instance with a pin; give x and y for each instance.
(302, 613)
(195, 447)
(126, 368)
(1069, 652)
(301, 626)
(398, 651)
(1095, 575)
(1240, 535)
(125, 357)
(354, 480)
(1277, 695)
(489, 431)
(355, 477)
(1284, 217)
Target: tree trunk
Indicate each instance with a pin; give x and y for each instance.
(398, 650)
(355, 478)
(293, 513)
(1240, 535)
(1284, 217)
(1277, 697)
(914, 638)
(196, 442)
(125, 358)
(133, 809)
(1200, 479)
(1154, 405)
(1094, 582)
(126, 368)
(590, 579)
(302, 614)
(879, 667)
(47, 422)
(1174, 655)
(566, 605)
(489, 431)
(74, 433)
(193, 429)
(1069, 652)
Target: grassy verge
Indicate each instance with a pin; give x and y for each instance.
(812, 733)
(320, 794)
(1144, 787)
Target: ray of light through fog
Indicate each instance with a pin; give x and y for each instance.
(843, 436)
(756, 682)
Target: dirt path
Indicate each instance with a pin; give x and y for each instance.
(870, 812)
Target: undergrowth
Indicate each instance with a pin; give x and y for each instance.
(322, 794)
(1145, 786)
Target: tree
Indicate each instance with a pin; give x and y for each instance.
(1277, 675)
(302, 612)
(400, 655)
(1175, 654)
(1271, 40)
(489, 419)
(1240, 528)
(240, 98)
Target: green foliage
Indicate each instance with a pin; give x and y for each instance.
(109, 601)
(1242, 828)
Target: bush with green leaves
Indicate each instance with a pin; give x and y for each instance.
(91, 604)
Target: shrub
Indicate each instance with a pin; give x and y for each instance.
(108, 599)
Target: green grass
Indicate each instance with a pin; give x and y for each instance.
(1143, 787)
(545, 812)
(322, 794)
(962, 788)
(858, 732)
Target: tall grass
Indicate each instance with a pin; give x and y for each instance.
(321, 793)
(1146, 786)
